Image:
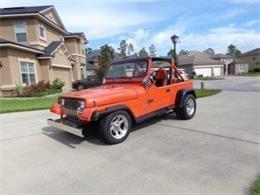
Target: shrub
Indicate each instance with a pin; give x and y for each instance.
(57, 84)
(19, 89)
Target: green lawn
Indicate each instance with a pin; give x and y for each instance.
(207, 78)
(26, 104)
(38, 103)
(206, 92)
(250, 74)
(256, 188)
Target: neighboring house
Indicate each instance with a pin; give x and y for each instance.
(238, 66)
(226, 59)
(93, 61)
(35, 46)
(201, 64)
(252, 58)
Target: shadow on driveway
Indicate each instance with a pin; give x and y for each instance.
(92, 136)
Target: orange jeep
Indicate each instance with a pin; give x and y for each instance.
(133, 91)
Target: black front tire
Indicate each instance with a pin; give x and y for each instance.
(105, 127)
(183, 111)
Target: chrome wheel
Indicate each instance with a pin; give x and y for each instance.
(119, 126)
(190, 106)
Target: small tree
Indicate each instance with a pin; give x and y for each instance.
(171, 54)
(130, 49)
(123, 49)
(233, 51)
(183, 52)
(209, 51)
(143, 53)
(107, 56)
(152, 50)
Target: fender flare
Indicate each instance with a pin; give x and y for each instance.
(181, 96)
(98, 114)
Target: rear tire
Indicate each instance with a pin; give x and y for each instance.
(115, 127)
(188, 110)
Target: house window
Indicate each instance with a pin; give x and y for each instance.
(82, 73)
(28, 73)
(254, 58)
(42, 32)
(20, 31)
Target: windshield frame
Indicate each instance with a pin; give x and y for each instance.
(140, 78)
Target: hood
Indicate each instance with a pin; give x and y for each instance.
(107, 94)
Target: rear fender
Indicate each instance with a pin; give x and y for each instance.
(181, 96)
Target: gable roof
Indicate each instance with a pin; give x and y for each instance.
(23, 10)
(77, 35)
(50, 49)
(7, 43)
(33, 11)
(220, 56)
(252, 52)
(197, 58)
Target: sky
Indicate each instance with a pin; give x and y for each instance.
(199, 24)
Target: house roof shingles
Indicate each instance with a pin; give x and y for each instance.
(197, 58)
(252, 52)
(49, 50)
(23, 10)
(4, 42)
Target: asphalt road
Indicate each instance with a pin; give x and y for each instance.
(217, 152)
(233, 83)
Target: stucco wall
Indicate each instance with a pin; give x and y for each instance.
(253, 61)
(15, 56)
(5, 71)
(7, 29)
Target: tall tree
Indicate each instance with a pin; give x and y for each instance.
(233, 51)
(183, 52)
(107, 56)
(143, 53)
(171, 54)
(130, 49)
(152, 50)
(209, 51)
(123, 48)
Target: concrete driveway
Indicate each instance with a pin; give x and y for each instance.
(233, 83)
(217, 152)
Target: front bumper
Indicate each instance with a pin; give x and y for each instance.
(66, 125)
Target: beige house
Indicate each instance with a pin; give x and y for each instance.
(252, 57)
(35, 46)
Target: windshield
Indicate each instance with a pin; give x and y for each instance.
(135, 69)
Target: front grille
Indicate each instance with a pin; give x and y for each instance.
(71, 108)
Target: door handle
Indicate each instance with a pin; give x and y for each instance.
(168, 90)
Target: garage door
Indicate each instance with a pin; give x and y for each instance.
(64, 75)
(203, 71)
(217, 71)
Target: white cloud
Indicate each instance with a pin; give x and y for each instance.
(253, 22)
(220, 38)
(216, 38)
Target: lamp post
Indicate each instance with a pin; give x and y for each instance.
(174, 39)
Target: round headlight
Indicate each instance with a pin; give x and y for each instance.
(82, 105)
(61, 101)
